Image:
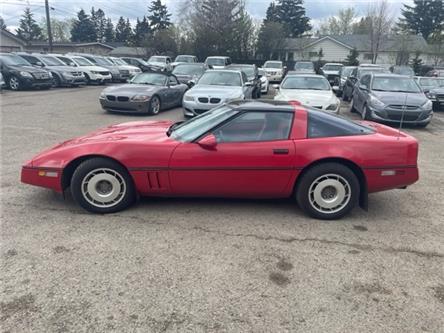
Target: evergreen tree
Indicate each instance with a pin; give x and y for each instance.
(352, 58)
(99, 20)
(28, 29)
(108, 34)
(291, 14)
(142, 31)
(2, 24)
(123, 31)
(417, 63)
(425, 17)
(272, 13)
(83, 29)
(159, 18)
(271, 38)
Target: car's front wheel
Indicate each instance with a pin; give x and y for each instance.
(154, 105)
(103, 186)
(14, 83)
(328, 191)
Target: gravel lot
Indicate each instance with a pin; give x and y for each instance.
(173, 265)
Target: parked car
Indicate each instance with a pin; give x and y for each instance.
(214, 88)
(309, 89)
(264, 81)
(217, 62)
(435, 72)
(304, 67)
(275, 70)
(160, 63)
(402, 70)
(184, 59)
(2, 82)
(433, 87)
(142, 64)
(116, 74)
(328, 164)
(124, 67)
(146, 93)
(189, 73)
(252, 75)
(62, 74)
(332, 72)
(343, 75)
(391, 98)
(93, 74)
(355, 76)
(20, 74)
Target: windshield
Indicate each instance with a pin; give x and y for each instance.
(249, 71)
(154, 79)
(157, 59)
(346, 71)
(188, 70)
(369, 70)
(303, 65)
(403, 71)
(307, 83)
(273, 64)
(82, 61)
(221, 79)
(14, 60)
(184, 59)
(52, 61)
(216, 62)
(118, 61)
(335, 68)
(103, 62)
(195, 127)
(395, 84)
(430, 82)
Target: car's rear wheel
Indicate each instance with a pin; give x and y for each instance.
(103, 186)
(154, 106)
(14, 83)
(328, 191)
(365, 113)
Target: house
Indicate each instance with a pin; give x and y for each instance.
(126, 51)
(336, 48)
(10, 42)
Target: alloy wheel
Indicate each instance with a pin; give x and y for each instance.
(329, 193)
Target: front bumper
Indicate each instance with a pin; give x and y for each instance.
(274, 77)
(264, 87)
(99, 78)
(195, 108)
(387, 115)
(72, 80)
(124, 106)
(43, 177)
(34, 83)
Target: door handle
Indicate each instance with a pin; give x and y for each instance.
(280, 151)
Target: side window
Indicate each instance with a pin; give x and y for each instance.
(65, 60)
(32, 60)
(365, 80)
(228, 61)
(172, 81)
(255, 127)
(244, 77)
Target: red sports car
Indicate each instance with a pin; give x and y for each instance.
(244, 149)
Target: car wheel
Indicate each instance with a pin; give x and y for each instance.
(328, 191)
(88, 80)
(100, 185)
(14, 83)
(365, 113)
(154, 107)
(56, 81)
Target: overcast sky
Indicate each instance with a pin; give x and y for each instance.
(317, 10)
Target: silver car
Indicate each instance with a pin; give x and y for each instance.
(216, 87)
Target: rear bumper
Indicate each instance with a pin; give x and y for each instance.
(387, 178)
(43, 177)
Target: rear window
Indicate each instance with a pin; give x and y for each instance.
(322, 125)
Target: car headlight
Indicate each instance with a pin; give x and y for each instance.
(332, 107)
(102, 95)
(376, 102)
(431, 95)
(427, 105)
(140, 98)
(94, 72)
(25, 74)
(187, 98)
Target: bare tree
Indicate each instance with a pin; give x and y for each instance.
(341, 24)
(381, 21)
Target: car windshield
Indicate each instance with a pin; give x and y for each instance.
(157, 59)
(184, 59)
(430, 82)
(154, 79)
(195, 127)
(221, 79)
(52, 61)
(307, 83)
(303, 65)
(249, 71)
(118, 61)
(82, 61)
(273, 64)
(346, 71)
(102, 61)
(403, 71)
(332, 68)
(216, 62)
(188, 70)
(369, 70)
(13, 60)
(395, 84)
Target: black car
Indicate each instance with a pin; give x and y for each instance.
(142, 64)
(355, 76)
(20, 74)
(189, 73)
(253, 77)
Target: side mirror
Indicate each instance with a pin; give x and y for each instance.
(248, 84)
(275, 86)
(39, 63)
(191, 83)
(208, 142)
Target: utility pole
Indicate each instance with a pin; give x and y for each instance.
(48, 25)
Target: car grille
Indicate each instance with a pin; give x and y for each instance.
(203, 99)
(401, 107)
(407, 117)
(124, 72)
(104, 73)
(271, 73)
(41, 75)
(123, 98)
(76, 73)
(206, 100)
(215, 100)
(111, 97)
(200, 111)
(440, 97)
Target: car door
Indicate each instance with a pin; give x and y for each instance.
(350, 83)
(175, 90)
(361, 92)
(247, 86)
(254, 157)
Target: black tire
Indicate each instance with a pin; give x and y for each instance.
(56, 82)
(307, 187)
(365, 113)
(99, 168)
(14, 83)
(152, 110)
(88, 80)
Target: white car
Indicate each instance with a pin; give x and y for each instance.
(275, 70)
(93, 73)
(160, 63)
(123, 66)
(308, 89)
(2, 82)
(217, 62)
(265, 84)
(184, 59)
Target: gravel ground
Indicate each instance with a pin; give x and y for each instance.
(194, 265)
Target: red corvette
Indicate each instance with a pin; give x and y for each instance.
(244, 149)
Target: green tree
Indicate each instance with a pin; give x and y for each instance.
(99, 20)
(163, 42)
(291, 14)
(416, 63)
(352, 58)
(159, 18)
(2, 24)
(340, 24)
(272, 14)
(424, 17)
(83, 29)
(142, 31)
(108, 34)
(28, 29)
(124, 32)
(271, 39)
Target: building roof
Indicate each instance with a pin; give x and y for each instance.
(125, 51)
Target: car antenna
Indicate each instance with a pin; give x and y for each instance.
(404, 107)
